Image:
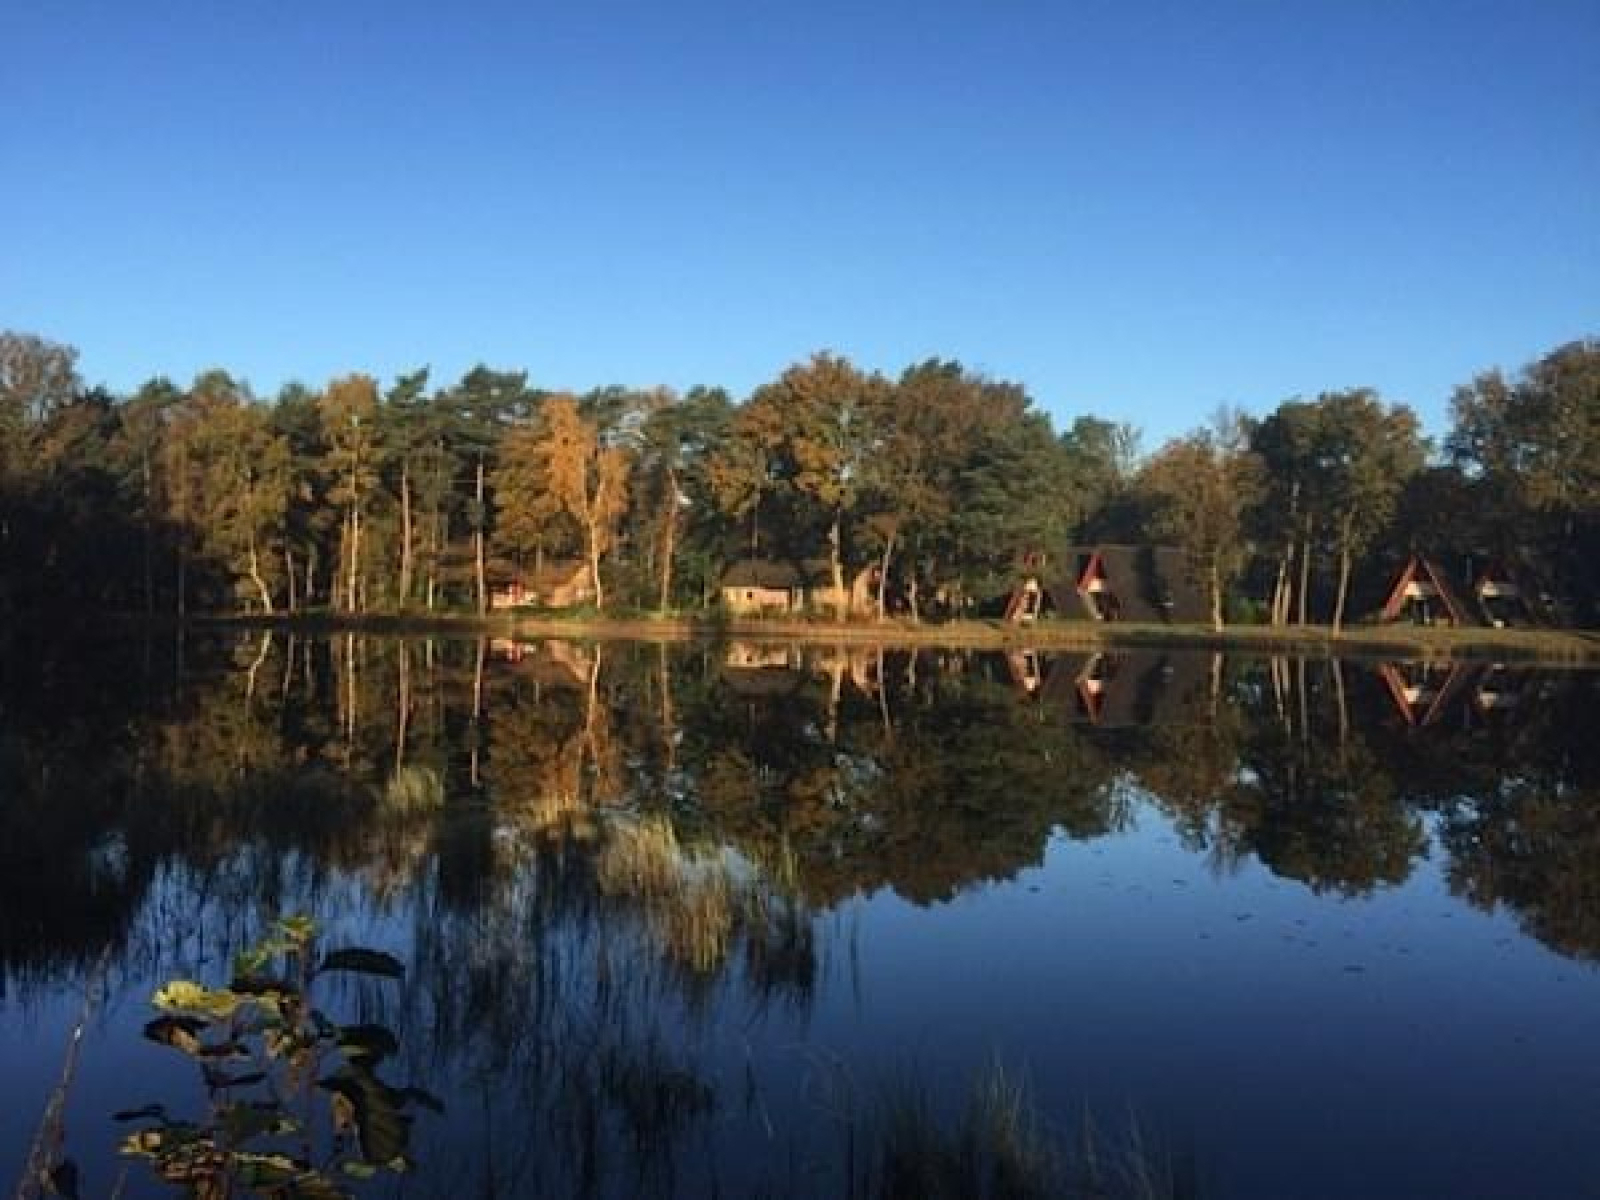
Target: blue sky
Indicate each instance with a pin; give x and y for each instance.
(1137, 210)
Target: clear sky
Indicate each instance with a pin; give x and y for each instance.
(1137, 210)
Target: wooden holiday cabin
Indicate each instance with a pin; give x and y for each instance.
(1506, 596)
(1145, 584)
(753, 586)
(558, 583)
(1030, 599)
(1424, 595)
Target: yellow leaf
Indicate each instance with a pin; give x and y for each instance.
(183, 995)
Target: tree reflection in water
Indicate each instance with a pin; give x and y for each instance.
(604, 861)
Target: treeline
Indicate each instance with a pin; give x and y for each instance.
(413, 497)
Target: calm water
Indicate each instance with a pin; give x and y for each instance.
(714, 920)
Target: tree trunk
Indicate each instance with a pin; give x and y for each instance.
(668, 720)
(1305, 571)
(353, 596)
(841, 600)
(1215, 577)
(405, 533)
(593, 548)
(911, 597)
(1337, 668)
(1344, 571)
(479, 563)
(435, 549)
(669, 539)
(255, 576)
(402, 705)
(883, 573)
(1280, 590)
(149, 539)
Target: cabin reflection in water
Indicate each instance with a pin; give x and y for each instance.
(1431, 693)
(770, 668)
(1136, 688)
(1121, 688)
(636, 884)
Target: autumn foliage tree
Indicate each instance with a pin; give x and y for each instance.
(586, 479)
(349, 417)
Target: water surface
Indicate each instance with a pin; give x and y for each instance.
(692, 919)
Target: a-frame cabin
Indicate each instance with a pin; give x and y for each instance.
(1149, 584)
(1423, 595)
(1506, 597)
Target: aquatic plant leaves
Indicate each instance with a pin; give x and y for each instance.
(216, 1079)
(299, 928)
(372, 1042)
(242, 1121)
(364, 962)
(150, 1112)
(383, 1127)
(266, 1020)
(181, 1033)
(186, 996)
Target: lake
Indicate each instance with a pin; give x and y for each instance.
(748, 919)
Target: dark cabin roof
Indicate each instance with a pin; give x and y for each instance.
(1151, 584)
(764, 573)
(556, 573)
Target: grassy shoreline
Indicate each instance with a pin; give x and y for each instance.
(1554, 647)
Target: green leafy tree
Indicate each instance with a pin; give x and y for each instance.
(818, 425)
(1364, 453)
(675, 443)
(1201, 487)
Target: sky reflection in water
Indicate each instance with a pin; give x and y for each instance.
(673, 915)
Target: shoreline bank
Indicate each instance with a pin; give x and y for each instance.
(1554, 647)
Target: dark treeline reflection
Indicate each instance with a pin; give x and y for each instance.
(828, 771)
(597, 847)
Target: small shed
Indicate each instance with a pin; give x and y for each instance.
(758, 585)
(1149, 584)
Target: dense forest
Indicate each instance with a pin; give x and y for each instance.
(418, 496)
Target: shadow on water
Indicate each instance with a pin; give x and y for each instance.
(617, 874)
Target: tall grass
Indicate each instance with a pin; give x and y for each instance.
(1000, 1147)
